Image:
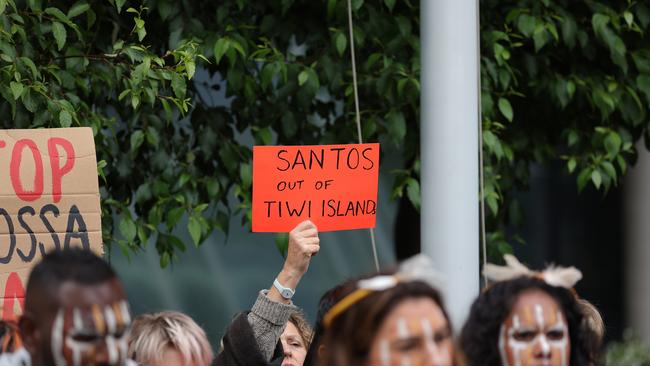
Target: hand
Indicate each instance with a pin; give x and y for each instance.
(303, 244)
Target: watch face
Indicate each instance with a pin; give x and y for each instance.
(287, 294)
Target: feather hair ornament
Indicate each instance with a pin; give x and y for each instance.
(556, 276)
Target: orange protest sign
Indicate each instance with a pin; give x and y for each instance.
(335, 186)
(49, 199)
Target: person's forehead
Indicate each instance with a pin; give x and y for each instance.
(291, 330)
(411, 312)
(73, 294)
(533, 303)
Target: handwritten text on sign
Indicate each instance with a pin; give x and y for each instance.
(335, 186)
(49, 199)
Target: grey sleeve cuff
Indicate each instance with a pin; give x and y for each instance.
(268, 319)
(275, 313)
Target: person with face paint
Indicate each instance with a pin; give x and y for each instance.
(528, 319)
(255, 337)
(390, 320)
(75, 313)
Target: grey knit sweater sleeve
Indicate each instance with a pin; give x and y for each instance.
(268, 319)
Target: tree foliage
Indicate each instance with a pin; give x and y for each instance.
(560, 79)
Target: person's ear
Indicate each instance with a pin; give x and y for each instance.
(29, 332)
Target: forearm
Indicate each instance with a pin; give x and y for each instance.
(268, 319)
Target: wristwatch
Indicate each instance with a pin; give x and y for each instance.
(286, 292)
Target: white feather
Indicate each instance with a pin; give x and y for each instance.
(554, 276)
(510, 271)
(562, 277)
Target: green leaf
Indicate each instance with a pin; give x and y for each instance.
(396, 126)
(390, 4)
(643, 83)
(220, 48)
(540, 36)
(60, 34)
(78, 9)
(505, 108)
(289, 125)
(609, 169)
(16, 89)
(303, 77)
(613, 144)
(173, 216)
(599, 22)
(596, 178)
(127, 228)
(123, 94)
(32, 67)
(153, 137)
(570, 88)
(629, 18)
(164, 257)
(413, 192)
(246, 175)
(119, 4)
(35, 5)
(571, 165)
(58, 14)
(526, 24)
(341, 43)
(404, 26)
(282, 243)
(194, 227)
(583, 178)
(213, 188)
(190, 67)
(569, 31)
(137, 138)
(65, 119)
(179, 85)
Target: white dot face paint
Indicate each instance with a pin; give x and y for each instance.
(415, 333)
(535, 332)
(90, 335)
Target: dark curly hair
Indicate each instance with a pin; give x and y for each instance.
(480, 335)
(349, 337)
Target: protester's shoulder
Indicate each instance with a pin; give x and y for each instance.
(18, 358)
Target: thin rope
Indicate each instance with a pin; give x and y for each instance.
(358, 115)
(480, 142)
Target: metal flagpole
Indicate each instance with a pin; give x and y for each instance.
(450, 147)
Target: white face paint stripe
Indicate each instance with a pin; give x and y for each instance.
(517, 347)
(384, 352)
(78, 326)
(57, 340)
(111, 322)
(562, 343)
(438, 356)
(126, 314)
(111, 349)
(402, 329)
(502, 345)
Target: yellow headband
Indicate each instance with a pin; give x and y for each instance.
(366, 287)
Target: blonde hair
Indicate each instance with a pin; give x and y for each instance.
(298, 319)
(152, 333)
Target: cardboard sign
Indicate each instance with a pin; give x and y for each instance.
(335, 186)
(49, 199)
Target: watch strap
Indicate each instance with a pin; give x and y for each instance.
(286, 292)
